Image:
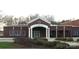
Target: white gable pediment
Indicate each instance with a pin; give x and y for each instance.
(39, 19)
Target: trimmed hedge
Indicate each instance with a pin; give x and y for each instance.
(38, 42)
(74, 47)
(51, 44)
(20, 40)
(65, 39)
(62, 45)
(78, 40)
(41, 39)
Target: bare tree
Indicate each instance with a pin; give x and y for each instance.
(34, 16)
(8, 19)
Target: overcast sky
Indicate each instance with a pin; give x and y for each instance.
(61, 9)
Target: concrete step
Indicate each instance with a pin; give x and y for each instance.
(51, 39)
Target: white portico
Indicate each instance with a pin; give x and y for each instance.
(39, 28)
(47, 30)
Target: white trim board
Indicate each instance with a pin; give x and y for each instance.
(39, 25)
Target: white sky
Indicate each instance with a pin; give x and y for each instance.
(61, 9)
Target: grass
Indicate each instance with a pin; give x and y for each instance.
(9, 45)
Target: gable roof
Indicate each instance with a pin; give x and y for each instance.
(72, 23)
(39, 18)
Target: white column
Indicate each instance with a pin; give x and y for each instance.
(13, 34)
(13, 27)
(29, 32)
(20, 31)
(46, 33)
(64, 31)
(56, 32)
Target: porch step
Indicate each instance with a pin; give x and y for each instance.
(51, 39)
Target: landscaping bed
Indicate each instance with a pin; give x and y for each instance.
(54, 44)
(39, 43)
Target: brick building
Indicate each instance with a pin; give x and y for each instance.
(41, 28)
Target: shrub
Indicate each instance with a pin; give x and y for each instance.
(35, 39)
(51, 44)
(44, 39)
(44, 43)
(65, 39)
(54, 44)
(20, 40)
(69, 39)
(78, 40)
(38, 42)
(62, 45)
(74, 47)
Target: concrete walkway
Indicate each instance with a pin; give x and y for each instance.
(6, 40)
(71, 43)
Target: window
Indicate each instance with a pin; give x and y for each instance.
(14, 33)
(11, 33)
(52, 33)
(17, 33)
(23, 33)
(76, 33)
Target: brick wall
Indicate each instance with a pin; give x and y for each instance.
(21, 30)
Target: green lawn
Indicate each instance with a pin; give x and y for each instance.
(9, 45)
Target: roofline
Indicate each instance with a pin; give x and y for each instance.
(16, 26)
(60, 25)
(37, 19)
(75, 26)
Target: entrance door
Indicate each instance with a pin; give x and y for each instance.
(36, 34)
